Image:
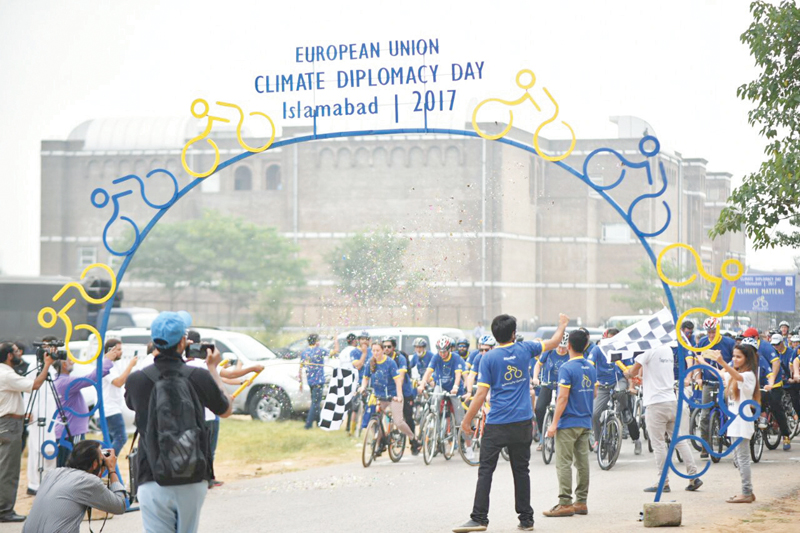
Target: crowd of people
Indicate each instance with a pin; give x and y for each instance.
(178, 397)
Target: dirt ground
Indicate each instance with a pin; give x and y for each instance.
(781, 515)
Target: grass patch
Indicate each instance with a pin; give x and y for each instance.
(251, 442)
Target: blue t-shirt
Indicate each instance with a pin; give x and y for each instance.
(579, 376)
(314, 359)
(766, 351)
(506, 371)
(382, 380)
(356, 355)
(607, 372)
(552, 362)
(444, 372)
(764, 368)
(726, 346)
(787, 357)
(471, 360)
(476, 363)
(421, 363)
(400, 361)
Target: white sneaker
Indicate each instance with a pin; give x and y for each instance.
(637, 447)
(470, 454)
(762, 422)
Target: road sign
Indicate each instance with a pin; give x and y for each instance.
(763, 293)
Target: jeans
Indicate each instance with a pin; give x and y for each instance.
(10, 457)
(742, 459)
(660, 419)
(116, 432)
(316, 400)
(794, 394)
(601, 404)
(517, 437)
(173, 508)
(774, 399)
(572, 446)
(213, 435)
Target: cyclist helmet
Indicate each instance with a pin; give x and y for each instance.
(488, 340)
(564, 340)
(445, 343)
(462, 342)
(363, 335)
(519, 338)
(313, 339)
(750, 341)
(795, 338)
(390, 339)
(711, 323)
(350, 337)
(419, 341)
(784, 323)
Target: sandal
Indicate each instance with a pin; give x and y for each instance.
(742, 499)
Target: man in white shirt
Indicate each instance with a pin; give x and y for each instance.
(661, 407)
(113, 394)
(12, 415)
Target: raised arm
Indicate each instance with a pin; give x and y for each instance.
(553, 342)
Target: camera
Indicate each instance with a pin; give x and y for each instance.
(58, 355)
(198, 351)
(107, 452)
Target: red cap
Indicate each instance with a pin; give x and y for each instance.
(751, 332)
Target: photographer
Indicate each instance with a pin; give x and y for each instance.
(68, 389)
(168, 398)
(12, 413)
(66, 493)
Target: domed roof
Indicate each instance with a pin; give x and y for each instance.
(135, 133)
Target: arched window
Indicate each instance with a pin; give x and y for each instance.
(243, 179)
(274, 178)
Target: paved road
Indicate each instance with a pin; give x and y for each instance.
(410, 496)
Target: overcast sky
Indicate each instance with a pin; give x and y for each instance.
(674, 64)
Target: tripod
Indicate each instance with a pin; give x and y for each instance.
(41, 418)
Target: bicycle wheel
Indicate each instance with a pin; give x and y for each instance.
(397, 445)
(610, 442)
(772, 435)
(429, 438)
(791, 421)
(677, 452)
(504, 454)
(449, 436)
(370, 442)
(694, 429)
(548, 443)
(757, 445)
(716, 439)
(470, 454)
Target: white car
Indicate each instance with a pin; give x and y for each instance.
(274, 395)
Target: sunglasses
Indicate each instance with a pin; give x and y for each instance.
(484, 349)
(387, 346)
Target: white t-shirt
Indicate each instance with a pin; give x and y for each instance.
(346, 357)
(658, 377)
(112, 395)
(201, 363)
(741, 427)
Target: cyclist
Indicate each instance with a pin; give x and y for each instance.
(608, 375)
(794, 342)
(551, 360)
(389, 346)
(773, 384)
(790, 387)
(387, 383)
(359, 364)
(447, 370)
(706, 378)
(485, 344)
(783, 329)
(422, 356)
(462, 348)
(313, 358)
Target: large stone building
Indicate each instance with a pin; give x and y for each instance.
(495, 228)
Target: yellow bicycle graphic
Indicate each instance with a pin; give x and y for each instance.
(512, 372)
(207, 131)
(717, 281)
(512, 103)
(48, 316)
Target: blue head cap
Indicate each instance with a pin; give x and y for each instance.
(169, 327)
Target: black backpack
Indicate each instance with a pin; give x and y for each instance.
(176, 440)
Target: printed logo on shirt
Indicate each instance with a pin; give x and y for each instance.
(586, 382)
(512, 372)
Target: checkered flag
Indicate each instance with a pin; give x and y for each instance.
(340, 391)
(642, 336)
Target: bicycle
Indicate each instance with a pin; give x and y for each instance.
(772, 433)
(473, 459)
(610, 442)
(439, 432)
(638, 415)
(548, 443)
(377, 435)
(756, 443)
(356, 416)
(717, 419)
(791, 416)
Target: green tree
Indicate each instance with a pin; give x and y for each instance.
(645, 292)
(771, 195)
(369, 266)
(245, 263)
